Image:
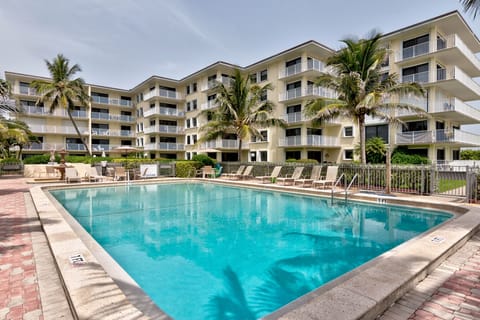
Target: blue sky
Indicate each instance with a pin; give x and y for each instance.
(120, 43)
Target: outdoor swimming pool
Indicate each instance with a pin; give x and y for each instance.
(207, 250)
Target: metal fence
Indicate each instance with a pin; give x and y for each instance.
(440, 180)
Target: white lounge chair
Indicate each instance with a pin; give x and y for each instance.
(233, 174)
(93, 175)
(330, 177)
(297, 173)
(275, 173)
(308, 182)
(120, 174)
(247, 173)
(71, 175)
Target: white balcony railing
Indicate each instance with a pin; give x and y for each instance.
(224, 144)
(35, 110)
(164, 129)
(171, 112)
(310, 65)
(110, 101)
(310, 140)
(208, 105)
(57, 129)
(24, 90)
(437, 136)
(420, 77)
(170, 146)
(294, 117)
(162, 93)
(413, 51)
(308, 91)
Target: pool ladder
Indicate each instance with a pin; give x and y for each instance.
(345, 183)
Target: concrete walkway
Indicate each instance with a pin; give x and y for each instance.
(30, 287)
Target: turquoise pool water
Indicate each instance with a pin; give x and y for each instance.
(207, 251)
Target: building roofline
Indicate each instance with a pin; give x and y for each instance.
(415, 25)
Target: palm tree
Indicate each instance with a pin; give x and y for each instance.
(14, 133)
(240, 111)
(6, 103)
(472, 6)
(362, 89)
(63, 91)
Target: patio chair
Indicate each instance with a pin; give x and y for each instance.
(93, 176)
(271, 177)
(297, 173)
(232, 174)
(330, 177)
(51, 172)
(71, 175)
(208, 171)
(120, 174)
(306, 182)
(246, 174)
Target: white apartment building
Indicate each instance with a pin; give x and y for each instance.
(162, 116)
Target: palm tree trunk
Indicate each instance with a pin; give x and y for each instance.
(239, 150)
(363, 153)
(78, 131)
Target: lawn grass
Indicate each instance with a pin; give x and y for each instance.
(447, 185)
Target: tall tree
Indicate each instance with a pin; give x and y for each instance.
(14, 133)
(362, 88)
(6, 103)
(63, 91)
(241, 110)
(472, 6)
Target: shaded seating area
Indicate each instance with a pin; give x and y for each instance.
(270, 179)
(330, 177)
(297, 173)
(308, 182)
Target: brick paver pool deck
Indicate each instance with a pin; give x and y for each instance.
(30, 287)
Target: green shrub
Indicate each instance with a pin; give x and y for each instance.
(10, 161)
(187, 168)
(470, 155)
(204, 159)
(39, 159)
(131, 163)
(403, 158)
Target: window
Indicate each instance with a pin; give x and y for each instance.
(194, 104)
(152, 105)
(188, 139)
(263, 96)
(455, 154)
(415, 126)
(264, 134)
(188, 106)
(195, 139)
(348, 154)
(263, 75)
(188, 123)
(293, 155)
(172, 123)
(152, 123)
(293, 62)
(194, 87)
(152, 140)
(294, 85)
(194, 122)
(348, 131)
(24, 87)
(189, 156)
(416, 73)
(168, 139)
(294, 109)
(188, 89)
(314, 131)
(415, 47)
(253, 78)
(380, 130)
(263, 156)
(293, 132)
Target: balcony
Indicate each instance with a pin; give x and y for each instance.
(168, 146)
(162, 93)
(420, 77)
(75, 147)
(162, 111)
(311, 65)
(224, 144)
(208, 105)
(112, 133)
(310, 141)
(112, 117)
(164, 129)
(27, 91)
(110, 101)
(294, 117)
(310, 91)
(57, 129)
(455, 136)
(413, 51)
(98, 147)
(454, 109)
(453, 79)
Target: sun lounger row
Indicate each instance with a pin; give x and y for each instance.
(315, 180)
